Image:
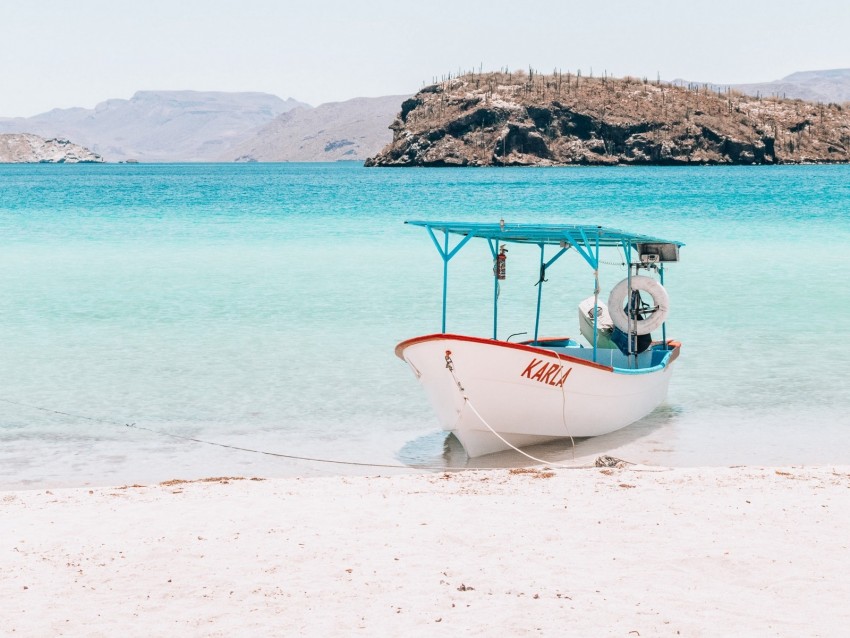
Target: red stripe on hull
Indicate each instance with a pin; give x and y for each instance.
(399, 349)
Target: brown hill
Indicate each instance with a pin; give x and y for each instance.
(531, 119)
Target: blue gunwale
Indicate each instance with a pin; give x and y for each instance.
(671, 349)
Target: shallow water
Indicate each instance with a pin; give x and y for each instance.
(258, 305)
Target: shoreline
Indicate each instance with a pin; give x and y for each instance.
(607, 551)
(93, 463)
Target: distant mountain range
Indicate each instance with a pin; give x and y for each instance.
(159, 126)
(350, 130)
(830, 86)
(199, 126)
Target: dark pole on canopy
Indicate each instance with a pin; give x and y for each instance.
(539, 294)
(544, 265)
(663, 325)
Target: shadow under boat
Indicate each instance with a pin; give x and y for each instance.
(441, 449)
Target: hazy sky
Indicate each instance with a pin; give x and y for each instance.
(62, 53)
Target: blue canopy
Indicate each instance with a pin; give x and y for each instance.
(585, 236)
(586, 240)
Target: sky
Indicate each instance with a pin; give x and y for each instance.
(64, 53)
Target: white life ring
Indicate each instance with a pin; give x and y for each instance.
(648, 285)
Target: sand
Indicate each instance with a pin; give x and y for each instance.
(590, 552)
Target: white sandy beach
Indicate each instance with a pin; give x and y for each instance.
(590, 552)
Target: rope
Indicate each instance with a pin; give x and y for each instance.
(564, 411)
(613, 263)
(451, 369)
(602, 461)
(516, 449)
(293, 457)
(622, 261)
(287, 456)
(73, 416)
(245, 449)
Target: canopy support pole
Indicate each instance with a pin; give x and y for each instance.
(445, 279)
(544, 266)
(663, 325)
(446, 255)
(596, 302)
(539, 294)
(494, 250)
(630, 311)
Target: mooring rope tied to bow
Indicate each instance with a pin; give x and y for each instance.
(451, 368)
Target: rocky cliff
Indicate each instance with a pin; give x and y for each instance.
(26, 148)
(518, 119)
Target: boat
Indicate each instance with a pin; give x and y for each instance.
(495, 394)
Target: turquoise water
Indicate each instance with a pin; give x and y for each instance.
(258, 305)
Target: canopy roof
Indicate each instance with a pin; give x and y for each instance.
(585, 240)
(579, 236)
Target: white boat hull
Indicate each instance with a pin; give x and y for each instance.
(527, 394)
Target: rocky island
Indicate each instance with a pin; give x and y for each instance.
(523, 119)
(25, 148)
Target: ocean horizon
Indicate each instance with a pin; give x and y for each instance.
(258, 305)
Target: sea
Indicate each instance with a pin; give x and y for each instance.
(200, 320)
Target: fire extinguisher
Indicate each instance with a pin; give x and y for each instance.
(501, 259)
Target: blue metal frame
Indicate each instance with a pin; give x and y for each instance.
(543, 268)
(446, 255)
(587, 240)
(494, 250)
(582, 237)
(596, 302)
(663, 325)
